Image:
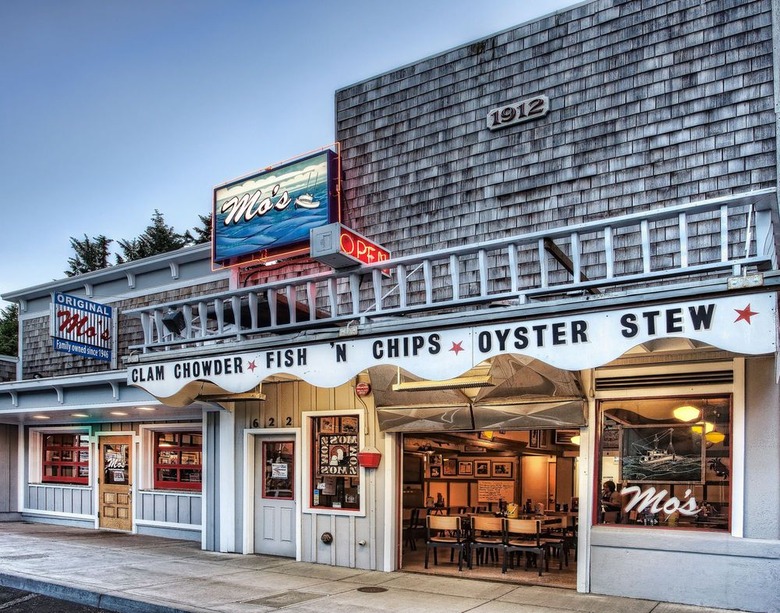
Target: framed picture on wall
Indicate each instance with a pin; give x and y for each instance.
(537, 439)
(465, 468)
(435, 472)
(435, 460)
(450, 467)
(482, 468)
(502, 470)
(349, 425)
(327, 425)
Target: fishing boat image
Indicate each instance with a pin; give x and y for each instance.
(306, 200)
(654, 455)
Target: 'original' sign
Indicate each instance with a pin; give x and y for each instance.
(81, 327)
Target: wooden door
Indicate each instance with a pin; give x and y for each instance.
(275, 507)
(115, 491)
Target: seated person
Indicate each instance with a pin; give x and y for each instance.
(611, 503)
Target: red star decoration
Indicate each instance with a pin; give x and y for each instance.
(745, 314)
(252, 366)
(457, 347)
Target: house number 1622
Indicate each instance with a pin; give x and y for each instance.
(509, 115)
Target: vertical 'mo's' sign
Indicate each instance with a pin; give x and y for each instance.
(81, 327)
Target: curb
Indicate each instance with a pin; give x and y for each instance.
(110, 602)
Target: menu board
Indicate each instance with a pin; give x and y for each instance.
(493, 491)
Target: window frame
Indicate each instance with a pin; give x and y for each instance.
(309, 455)
(180, 449)
(36, 454)
(147, 457)
(691, 394)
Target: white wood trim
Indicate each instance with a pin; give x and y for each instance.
(738, 449)
(250, 436)
(171, 525)
(60, 514)
(227, 486)
(392, 527)
(586, 493)
(306, 452)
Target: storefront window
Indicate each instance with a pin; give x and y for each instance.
(336, 475)
(178, 460)
(666, 462)
(279, 462)
(66, 458)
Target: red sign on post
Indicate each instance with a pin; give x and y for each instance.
(360, 248)
(340, 247)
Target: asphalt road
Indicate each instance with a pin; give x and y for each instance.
(19, 601)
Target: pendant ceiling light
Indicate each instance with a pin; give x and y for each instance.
(704, 428)
(715, 437)
(686, 412)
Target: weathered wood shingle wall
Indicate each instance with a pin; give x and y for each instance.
(652, 103)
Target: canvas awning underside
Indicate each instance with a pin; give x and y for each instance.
(524, 394)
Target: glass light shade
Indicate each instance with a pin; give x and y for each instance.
(686, 413)
(703, 429)
(715, 437)
(575, 440)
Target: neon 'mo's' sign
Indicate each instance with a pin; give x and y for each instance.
(270, 214)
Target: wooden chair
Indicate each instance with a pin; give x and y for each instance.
(486, 536)
(444, 531)
(555, 541)
(523, 536)
(411, 526)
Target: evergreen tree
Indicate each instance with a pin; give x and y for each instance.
(157, 238)
(203, 233)
(91, 254)
(9, 330)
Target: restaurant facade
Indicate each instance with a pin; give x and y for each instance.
(528, 268)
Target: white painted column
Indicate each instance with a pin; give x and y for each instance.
(227, 485)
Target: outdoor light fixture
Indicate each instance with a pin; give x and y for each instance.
(686, 413)
(173, 321)
(459, 383)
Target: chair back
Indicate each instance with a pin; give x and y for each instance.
(483, 523)
(523, 528)
(443, 522)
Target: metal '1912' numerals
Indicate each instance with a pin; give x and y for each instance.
(511, 114)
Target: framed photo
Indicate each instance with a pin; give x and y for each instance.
(502, 470)
(482, 468)
(537, 439)
(435, 472)
(327, 425)
(450, 467)
(465, 468)
(349, 425)
(435, 460)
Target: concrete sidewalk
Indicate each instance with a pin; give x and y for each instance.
(122, 572)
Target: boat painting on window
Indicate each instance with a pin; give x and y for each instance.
(662, 454)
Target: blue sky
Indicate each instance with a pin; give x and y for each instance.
(110, 110)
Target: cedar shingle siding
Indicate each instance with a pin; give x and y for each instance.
(651, 104)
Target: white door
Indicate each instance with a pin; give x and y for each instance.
(275, 516)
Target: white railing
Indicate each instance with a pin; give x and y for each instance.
(717, 238)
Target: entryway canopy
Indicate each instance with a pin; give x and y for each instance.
(508, 392)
